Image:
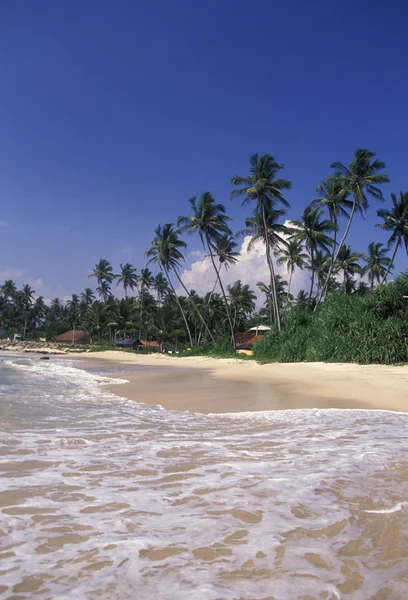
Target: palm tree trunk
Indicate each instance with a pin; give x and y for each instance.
(271, 270)
(392, 260)
(180, 307)
(334, 240)
(223, 293)
(290, 282)
(141, 313)
(343, 239)
(207, 305)
(194, 305)
(313, 275)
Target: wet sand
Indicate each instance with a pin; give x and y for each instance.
(205, 385)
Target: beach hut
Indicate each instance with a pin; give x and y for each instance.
(246, 341)
(70, 337)
(129, 343)
(136, 344)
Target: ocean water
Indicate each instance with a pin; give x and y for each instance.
(105, 498)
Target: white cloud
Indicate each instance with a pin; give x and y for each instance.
(250, 268)
(3, 223)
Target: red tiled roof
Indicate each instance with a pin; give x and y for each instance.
(70, 336)
(149, 344)
(248, 338)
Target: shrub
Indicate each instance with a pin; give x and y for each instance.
(346, 328)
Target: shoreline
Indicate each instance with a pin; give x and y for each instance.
(212, 385)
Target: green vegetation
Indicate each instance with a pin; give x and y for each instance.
(371, 327)
(348, 313)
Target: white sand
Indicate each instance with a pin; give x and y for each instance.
(215, 386)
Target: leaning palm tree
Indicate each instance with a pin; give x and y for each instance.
(127, 277)
(334, 197)
(210, 222)
(396, 222)
(292, 255)
(165, 252)
(263, 187)
(378, 264)
(360, 180)
(348, 262)
(312, 232)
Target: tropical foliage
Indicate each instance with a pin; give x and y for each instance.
(350, 310)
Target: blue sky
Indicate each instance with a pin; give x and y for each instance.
(113, 114)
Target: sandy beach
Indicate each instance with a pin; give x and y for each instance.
(206, 385)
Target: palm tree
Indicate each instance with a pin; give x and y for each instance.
(302, 300)
(396, 222)
(254, 226)
(9, 289)
(161, 286)
(347, 262)
(56, 307)
(104, 290)
(127, 277)
(321, 264)
(282, 294)
(145, 281)
(163, 328)
(73, 310)
(96, 319)
(103, 272)
(210, 222)
(38, 311)
(262, 186)
(27, 295)
(87, 296)
(242, 300)
(360, 180)
(378, 264)
(123, 313)
(335, 198)
(291, 255)
(312, 232)
(165, 251)
(224, 248)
